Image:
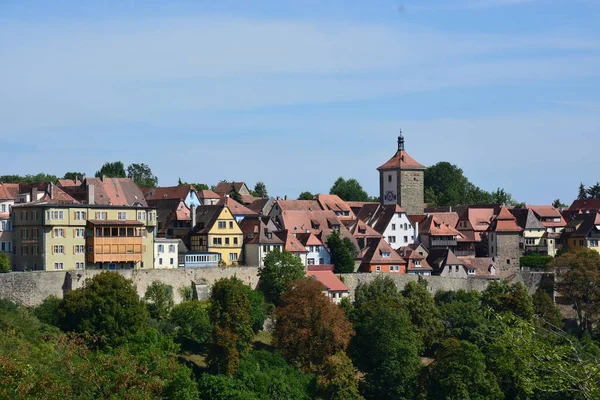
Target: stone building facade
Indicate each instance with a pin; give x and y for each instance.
(505, 241)
(402, 181)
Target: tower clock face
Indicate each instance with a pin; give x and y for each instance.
(389, 196)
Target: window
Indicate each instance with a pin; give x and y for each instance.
(389, 178)
(24, 250)
(508, 261)
(122, 216)
(217, 241)
(233, 256)
(55, 215)
(59, 249)
(2, 225)
(23, 215)
(386, 254)
(79, 249)
(79, 265)
(58, 266)
(35, 215)
(59, 232)
(151, 216)
(581, 242)
(101, 215)
(171, 248)
(321, 261)
(3, 246)
(160, 261)
(235, 240)
(3, 208)
(222, 224)
(405, 239)
(265, 249)
(34, 250)
(141, 215)
(161, 248)
(471, 272)
(417, 263)
(311, 261)
(230, 224)
(391, 239)
(171, 261)
(80, 215)
(227, 241)
(593, 243)
(378, 268)
(80, 232)
(34, 233)
(24, 233)
(393, 227)
(405, 226)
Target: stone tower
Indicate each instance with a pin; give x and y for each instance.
(401, 181)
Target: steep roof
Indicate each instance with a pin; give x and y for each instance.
(439, 258)
(376, 248)
(291, 243)
(208, 194)
(480, 218)
(581, 225)
(168, 192)
(9, 191)
(168, 209)
(548, 212)
(401, 160)
(53, 194)
(481, 265)
(206, 216)
(225, 187)
(68, 182)
(368, 211)
(298, 221)
(432, 226)
(384, 215)
(585, 205)
(260, 230)
(505, 222)
(235, 207)
(357, 205)
(309, 239)
(360, 229)
(334, 203)
(526, 219)
(299, 205)
(329, 280)
(113, 191)
(447, 218)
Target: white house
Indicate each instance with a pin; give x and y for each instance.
(390, 221)
(166, 252)
(317, 252)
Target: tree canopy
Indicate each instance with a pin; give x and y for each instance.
(41, 177)
(142, 175)
(306, 196)
(349, 190)
(198, 186)
(280, 268)
(73, 175)
(260, 190)
(342, 253)
(111, 170)
(4, 263)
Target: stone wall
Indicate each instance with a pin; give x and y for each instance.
(508, 249)
(411, 191)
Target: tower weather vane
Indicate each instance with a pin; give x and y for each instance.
(401, 141)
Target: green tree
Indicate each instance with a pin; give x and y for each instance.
(73, 175)
(47, 311)
(385, 347)
(306, 196)
(41, 177)
(423, 313)
(309, 327)
(558, 204)
(234, 194)
(581, 285)
(4, 263)
(382, 287)
(280, 268)
(192, 324)
(341, 256)
(545, 310)
(504, 297)
(232, 334)
(594, 191)
(111, 170)
(159, 299)
(260, 190)
(459, 373)
(107, 306)
(500, 196)
(582, 193)
(337, 379)
(349, 190)
(142, 175)
(182, 386)
(198, 186)
(258, 306)
(447, 184)
(462, 315)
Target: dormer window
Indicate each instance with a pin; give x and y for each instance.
(471, 271)
(269, 235)
(417, 263)
(386, 254)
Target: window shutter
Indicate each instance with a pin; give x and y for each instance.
(53, 249)
(74, 230)
(74, 249)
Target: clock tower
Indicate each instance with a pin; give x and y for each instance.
(402, 180)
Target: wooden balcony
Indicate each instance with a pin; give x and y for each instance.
(114, 249)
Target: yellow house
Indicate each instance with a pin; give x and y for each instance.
(56, 237)
(582, 232)
(216, 231)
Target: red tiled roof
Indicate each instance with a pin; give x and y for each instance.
(309, 239)
(505, 222)
(585, 204)
(376, 248)
(235, 207)
(168, 192)
(329, 280)
(69, 182)
(9, 191)
(480, 218)
(334, 203)
(208, 194)
(434, 227)
(292, 244)
(299, 205)
(326, 267)
(447, 218)
(401, 160)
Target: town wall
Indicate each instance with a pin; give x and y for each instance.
(31, 288)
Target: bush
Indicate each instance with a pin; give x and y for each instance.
(535, 261)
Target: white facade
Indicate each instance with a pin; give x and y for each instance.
(254, 254)
(6, 235)
(399, 231)
(317, 255)
(166, 253)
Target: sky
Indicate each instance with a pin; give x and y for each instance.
(298, 93)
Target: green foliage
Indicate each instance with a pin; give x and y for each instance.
(260, 190)
(182, 386)
(349, 190)
(192, 324)
(186, 293)
(47, 311)
(142, 175)
(558, 204)
(111, 170)
(462, 316)
(258, 306)
(107, 306)
(423, 313)
(593, 192)
(342, 256)
(446, 185)
(4, 263)
(309, 327)
(545, 310)
(232, 333)
(337, 379)
(385, 347)
(280, 268)
(198, 186)
(382, 287)
(159, 299)
(459, 373)
(504, 297)
(73, 176)
(536, 261)
(306, 196)
(41, 177)
(234, 194)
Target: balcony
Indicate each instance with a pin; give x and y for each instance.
(115, 241)
(536, 249)
(464, 253)
(443, 242)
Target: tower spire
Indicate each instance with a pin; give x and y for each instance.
(401, 141)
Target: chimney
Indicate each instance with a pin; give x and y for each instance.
(91, 193)
(193, 212)
(103, 178)
(34, 194)
(51, 190)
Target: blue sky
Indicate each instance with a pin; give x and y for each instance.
(297, 93)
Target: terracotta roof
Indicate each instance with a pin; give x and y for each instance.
(375, 250)
(248, 198)
(69, 182)
(208, 194)
(382, 218)
(329, 280)
(260, 230)
(438, 259)
(334, 203)
(235, 207)
(585, 205)
(314, 221)
(166, 209)
(526, 219)
(113, 191)
(299, 205)
(360, 229)
(309, 239)
(417, 219)
(432, 226)
(505, 222)
(292, 244)
(325, 267)
(9, 191)
(447, 218)
(59, 196)
(168, 192)
(258, 204)
(480, 218)
(401, 160)
(545, 213)
(225, 187)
